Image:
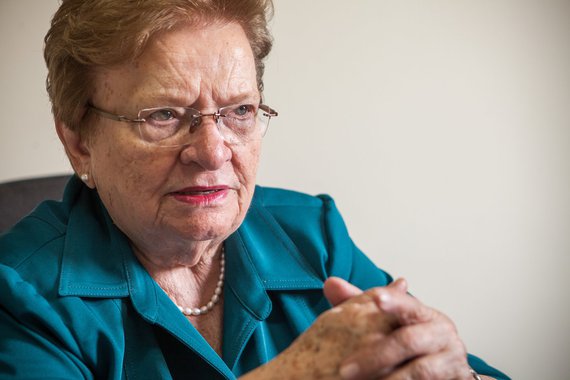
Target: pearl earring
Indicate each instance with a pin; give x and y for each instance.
(84, 177)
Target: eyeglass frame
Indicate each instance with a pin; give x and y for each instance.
(267, 112)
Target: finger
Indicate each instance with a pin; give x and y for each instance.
(416, 340)
(443, 365)
(338, 290)
(404, 344)
(400, 284)
(406, 309)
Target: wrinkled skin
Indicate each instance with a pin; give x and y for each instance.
(335, 335)
(205, 68)
(384, 333)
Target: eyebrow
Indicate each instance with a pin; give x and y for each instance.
(177, 101)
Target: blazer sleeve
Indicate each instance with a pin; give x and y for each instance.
(34, 341)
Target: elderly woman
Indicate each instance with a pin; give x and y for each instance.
(164, 260)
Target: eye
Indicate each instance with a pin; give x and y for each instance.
(160, 123)
(242, 111)
(162, 115)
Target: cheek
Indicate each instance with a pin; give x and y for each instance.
(119, 169)
(247, 164)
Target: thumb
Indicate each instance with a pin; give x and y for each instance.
(399, 284)
(338, 290)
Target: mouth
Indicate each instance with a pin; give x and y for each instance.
(201, 195)
(198, 192)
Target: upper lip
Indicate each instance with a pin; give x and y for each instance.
(202, 188)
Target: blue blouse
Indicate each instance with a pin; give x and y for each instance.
(76, 304)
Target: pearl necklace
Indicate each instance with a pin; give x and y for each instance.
(195, 311)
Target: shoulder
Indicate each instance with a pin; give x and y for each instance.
(309, 225)
(30, 262)
(47, 224)
(295, 210)
(301, 207)
(283, 199)
(314, 225)
(40, 230)
(32, 250)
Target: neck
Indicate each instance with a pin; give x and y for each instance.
(192, 255)
(189, 282)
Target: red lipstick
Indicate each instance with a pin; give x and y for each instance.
(201, 195)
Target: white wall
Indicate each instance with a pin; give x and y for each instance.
(442, 129)
(28, 143)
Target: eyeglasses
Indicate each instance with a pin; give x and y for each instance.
(175, 126)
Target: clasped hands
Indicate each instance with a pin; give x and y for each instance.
(416, 341)
(381, 333)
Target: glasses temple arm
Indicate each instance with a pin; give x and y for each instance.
(268, 110)
(112, 116)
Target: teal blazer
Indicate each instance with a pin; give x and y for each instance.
(76, 304)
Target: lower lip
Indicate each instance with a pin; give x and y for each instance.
(202, 199)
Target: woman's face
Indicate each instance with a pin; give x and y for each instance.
(167, 198)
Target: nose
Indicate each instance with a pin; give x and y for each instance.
(197, 120)
(208, 148)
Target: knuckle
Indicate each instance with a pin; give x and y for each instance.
(413, 341)
(418, 314)
(448, 325)
(450, 333)
(458, 366)
(422, 370)
(462, 349)
(328, 315)
(375, 295)
(456, 345)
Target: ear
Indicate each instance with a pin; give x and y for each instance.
(77, 151)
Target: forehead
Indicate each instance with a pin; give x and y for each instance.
(208, 64)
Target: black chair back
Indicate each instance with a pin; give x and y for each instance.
(19, 198)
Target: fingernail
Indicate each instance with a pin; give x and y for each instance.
(349, 371)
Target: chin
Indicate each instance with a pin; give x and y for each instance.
(202, 231)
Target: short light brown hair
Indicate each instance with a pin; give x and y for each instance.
(85, 35)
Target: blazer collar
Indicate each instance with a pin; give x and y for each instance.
(93, 262)
(97, 256)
